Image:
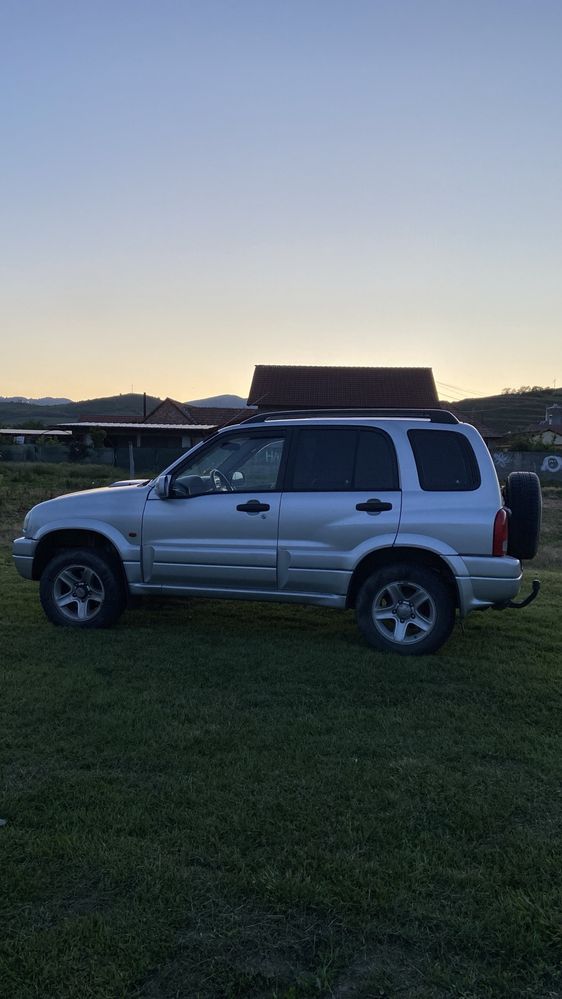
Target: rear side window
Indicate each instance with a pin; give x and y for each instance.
(375, 464)
(331, 460)
(445, 461)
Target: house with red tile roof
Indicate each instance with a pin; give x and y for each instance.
(286, 386)
(171, 411)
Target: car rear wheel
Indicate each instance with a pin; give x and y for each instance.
(405, 609)
(83, 589)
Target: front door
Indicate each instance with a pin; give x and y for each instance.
(218, 527)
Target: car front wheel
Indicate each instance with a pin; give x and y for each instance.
(405, 609)
(81, 588)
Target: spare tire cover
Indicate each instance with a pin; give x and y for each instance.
(524, 499)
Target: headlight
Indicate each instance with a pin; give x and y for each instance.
(26, 522)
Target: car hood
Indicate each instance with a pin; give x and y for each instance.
(119, 507)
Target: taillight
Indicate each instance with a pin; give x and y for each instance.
(499, 546)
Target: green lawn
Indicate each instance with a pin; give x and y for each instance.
(221, 799)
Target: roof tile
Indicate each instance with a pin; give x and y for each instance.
(324, 387)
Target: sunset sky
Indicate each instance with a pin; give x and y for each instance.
(191, 188)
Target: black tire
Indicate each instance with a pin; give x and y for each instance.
(524, 499)
(405, 609)
(82, 588)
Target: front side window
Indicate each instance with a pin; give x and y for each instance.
(234, 463)
(332, 460)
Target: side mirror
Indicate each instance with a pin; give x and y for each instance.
(162, 486)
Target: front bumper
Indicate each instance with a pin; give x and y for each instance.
(23, 551)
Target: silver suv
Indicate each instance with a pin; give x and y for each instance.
(397, 513)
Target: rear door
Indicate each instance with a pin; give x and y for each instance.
(342, 500)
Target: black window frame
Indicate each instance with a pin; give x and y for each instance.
(471, 462)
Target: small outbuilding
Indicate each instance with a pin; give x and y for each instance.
(549, 430)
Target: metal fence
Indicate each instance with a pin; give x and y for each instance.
(138, 461)
(142, 461)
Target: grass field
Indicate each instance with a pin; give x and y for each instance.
(236, 800)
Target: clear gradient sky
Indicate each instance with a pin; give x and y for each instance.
(190, 188)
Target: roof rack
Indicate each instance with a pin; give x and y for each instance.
(433, 415)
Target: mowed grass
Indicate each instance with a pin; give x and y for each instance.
(228, 799)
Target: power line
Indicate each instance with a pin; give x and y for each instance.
(457, 388)
(453, 396)
(466, 393)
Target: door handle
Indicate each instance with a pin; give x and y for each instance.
(374, 506)
(252, 506)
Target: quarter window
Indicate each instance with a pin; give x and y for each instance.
(445, 461)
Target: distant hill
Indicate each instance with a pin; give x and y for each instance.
(130, 405)
(47, 401)
(14, 414)
(122, 407)
(229, 401)
(510, 412)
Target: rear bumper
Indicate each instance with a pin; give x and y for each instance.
(483, 582)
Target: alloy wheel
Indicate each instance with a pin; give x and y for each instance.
(404, 612)
(78, 593)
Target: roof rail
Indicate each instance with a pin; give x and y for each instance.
(433, 415)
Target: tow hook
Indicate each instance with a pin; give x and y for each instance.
(518, 604)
